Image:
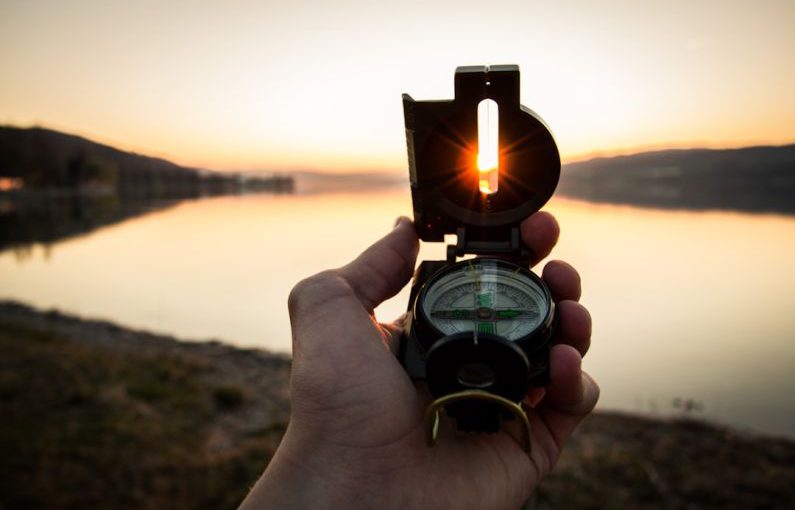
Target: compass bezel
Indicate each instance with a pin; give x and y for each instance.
(428, 334)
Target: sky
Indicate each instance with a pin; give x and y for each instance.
(316, 85)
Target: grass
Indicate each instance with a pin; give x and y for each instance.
(84, 427)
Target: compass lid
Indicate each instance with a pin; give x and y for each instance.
(443, 149)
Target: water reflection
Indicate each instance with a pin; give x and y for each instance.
(27, 219)
(40, 220)
(687, 305)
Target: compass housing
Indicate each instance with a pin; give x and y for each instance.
(470, 357)
(447, 199)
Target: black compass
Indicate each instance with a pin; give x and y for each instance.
(479, 329)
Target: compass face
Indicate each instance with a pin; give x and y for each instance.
(486, 296)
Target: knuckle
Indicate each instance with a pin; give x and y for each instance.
(303, 290)
(580, 309)
(594, 393)
(312, 290)
(577, 324)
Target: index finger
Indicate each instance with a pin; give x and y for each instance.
(540, 232)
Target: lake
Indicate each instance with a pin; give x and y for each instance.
(686, 305)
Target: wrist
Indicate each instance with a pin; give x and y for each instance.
(306, 475)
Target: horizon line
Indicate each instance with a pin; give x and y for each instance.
(577, 158)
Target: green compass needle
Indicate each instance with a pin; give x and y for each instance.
(483, 314)
(461, 314)
(516, 314)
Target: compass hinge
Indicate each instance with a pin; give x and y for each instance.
(467, 244)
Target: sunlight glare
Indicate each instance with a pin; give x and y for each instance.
(488, 146)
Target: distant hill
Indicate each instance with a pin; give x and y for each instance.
(50, 160)
(753, 179)
(55, 185)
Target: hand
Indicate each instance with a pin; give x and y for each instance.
(356, 437)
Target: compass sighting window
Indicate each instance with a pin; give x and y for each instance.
(488, 146)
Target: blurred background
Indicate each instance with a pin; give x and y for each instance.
(176, 167)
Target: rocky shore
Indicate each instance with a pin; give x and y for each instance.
(98, 416)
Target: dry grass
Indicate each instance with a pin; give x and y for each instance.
(85, 426)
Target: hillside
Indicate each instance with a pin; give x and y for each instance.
(55, 185)
(50, 160)
(97, 416)
(753, 179)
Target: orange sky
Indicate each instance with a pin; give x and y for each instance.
(316, 85)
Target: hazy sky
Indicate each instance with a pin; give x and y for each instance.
(316, 85)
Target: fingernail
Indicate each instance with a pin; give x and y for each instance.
(399, 220)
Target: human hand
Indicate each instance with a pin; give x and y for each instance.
(356, 437)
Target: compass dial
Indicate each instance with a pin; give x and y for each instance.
(486, 296)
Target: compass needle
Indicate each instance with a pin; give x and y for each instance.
(451, 312)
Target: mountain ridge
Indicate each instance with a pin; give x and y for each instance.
(46, 159)
(749, 179)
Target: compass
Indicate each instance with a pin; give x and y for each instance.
(486, 296)
(480, 323)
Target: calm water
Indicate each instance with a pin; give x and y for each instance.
(695, 305)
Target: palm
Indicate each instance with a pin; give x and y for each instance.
(373, 407)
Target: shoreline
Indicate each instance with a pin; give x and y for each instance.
(162, 417)
(103, 332)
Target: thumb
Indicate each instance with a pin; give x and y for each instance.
(385, 267)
